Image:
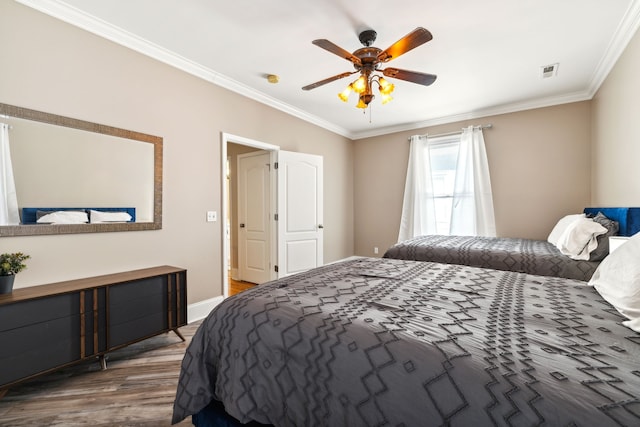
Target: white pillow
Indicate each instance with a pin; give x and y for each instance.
(561, 226)
(580, 238)
(617, 279)
(104, 216)
(64, 217)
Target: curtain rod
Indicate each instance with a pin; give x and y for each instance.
(489, 126)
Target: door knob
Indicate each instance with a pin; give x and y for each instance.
(242, 225)
(320, 226)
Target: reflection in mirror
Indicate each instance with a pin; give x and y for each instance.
(59, 162)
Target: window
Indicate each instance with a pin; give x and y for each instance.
(443, 155)
(448, 188)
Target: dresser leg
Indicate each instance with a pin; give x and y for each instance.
(103, 362)
(179, 334)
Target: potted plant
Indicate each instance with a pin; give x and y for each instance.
(10, 265)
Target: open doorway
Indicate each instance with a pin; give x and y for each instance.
(295, 195)
(232, 147)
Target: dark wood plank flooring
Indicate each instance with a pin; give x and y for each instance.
(137, 389)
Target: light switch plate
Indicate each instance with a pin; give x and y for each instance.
(212, 216)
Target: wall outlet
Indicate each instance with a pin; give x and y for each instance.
(212, 216)
(375, 250)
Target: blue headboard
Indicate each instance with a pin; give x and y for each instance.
(29, 214)
(628, 218)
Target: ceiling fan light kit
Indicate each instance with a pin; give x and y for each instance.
(362, 86)
(367, 61)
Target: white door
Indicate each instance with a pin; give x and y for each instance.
(300, 204)
(254, 235)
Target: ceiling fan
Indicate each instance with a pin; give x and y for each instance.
(367, 61)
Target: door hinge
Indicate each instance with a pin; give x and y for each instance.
(275, 165)
(275, 268)
(275, 217)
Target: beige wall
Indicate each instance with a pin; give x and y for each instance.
(539, 162)
(51, 66)
(616, 133)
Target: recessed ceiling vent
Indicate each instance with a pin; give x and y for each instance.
(549, 70)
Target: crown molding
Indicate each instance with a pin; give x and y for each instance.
(64, 12)
(624, 33)
(485, 112)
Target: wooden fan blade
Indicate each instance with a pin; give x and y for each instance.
(410, 76)
(412, 40)
(337, 50)
(325, 81)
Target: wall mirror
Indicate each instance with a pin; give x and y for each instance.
(60, 162)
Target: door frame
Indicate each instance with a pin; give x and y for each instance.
(273, 149)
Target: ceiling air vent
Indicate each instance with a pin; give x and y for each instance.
(549, 70)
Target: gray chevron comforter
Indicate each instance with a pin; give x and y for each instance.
(502, 253)
(385, 342)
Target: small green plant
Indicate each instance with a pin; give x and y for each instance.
(12, 263)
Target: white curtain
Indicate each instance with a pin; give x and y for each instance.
(472, 204)
(8, 200)
(472, 213)
(418, 208)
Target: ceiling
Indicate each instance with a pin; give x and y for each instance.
(487, 54)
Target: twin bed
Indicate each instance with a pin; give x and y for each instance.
(512, 254)
(372, 341)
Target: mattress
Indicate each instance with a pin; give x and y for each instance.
(521, 255)
(393, 342)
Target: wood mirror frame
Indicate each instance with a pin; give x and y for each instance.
(44, 229)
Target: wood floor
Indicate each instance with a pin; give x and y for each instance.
(237, 287)
(137, 389)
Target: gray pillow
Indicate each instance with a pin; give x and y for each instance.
(603, 240)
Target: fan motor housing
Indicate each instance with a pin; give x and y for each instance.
(368, 57)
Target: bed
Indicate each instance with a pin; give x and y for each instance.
(372, 341)
(70, 215)
(513, 254)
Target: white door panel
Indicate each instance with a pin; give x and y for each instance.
(255, 255)
(300, 204)
(301, 255)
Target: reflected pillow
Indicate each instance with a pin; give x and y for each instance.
(580, 238)
(603, 240)
(61, 217)
(617, 279)
(104, 216)
(561, 226)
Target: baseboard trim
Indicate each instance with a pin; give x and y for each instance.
(201, 309)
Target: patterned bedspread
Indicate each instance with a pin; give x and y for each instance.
(502, 253)
(372, 342)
